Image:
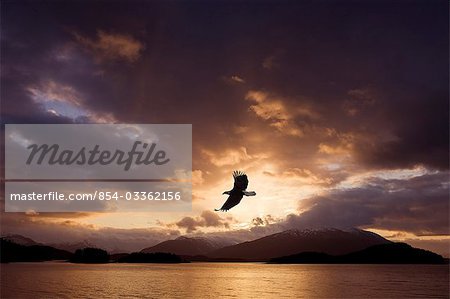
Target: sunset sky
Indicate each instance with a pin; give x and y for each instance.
(337, 110)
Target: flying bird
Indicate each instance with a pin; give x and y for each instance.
(238, 191)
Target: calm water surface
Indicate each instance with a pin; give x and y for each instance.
(213, 280)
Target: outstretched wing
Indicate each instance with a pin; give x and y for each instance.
(240, 180)
(233, 199)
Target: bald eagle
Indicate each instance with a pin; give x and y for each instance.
(238, 191)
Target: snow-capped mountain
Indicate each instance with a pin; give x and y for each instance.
(186, 246)
(331, 241)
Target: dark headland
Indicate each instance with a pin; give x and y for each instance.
(393, 253)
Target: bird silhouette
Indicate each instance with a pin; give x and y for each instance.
(238, 191)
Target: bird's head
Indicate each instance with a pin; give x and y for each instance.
(226, 192)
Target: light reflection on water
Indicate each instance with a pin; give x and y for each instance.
(212, 280)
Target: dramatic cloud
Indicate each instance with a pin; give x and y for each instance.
(230, 157)
(275, 111)
(206, 219)
(237, 79)
(299, 177)
(197, 177)
(63, 100)
(417, 134)
(264, 221)
(359, 99)
(111, 46)
(272, 61)
(418, 205)
(50, 91)
(58, 231)
(233, 80)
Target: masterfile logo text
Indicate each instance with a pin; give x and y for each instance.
(52, 154)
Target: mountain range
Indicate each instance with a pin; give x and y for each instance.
(21, 240)
(186, 246)
(321, 245)
(72, 247)
(331, 241)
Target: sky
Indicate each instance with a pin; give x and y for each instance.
(337, 110)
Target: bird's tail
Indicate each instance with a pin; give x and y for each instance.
(249, 193)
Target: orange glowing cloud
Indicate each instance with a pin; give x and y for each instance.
(111, 46)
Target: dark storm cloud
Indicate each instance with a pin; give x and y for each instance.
(177, 76)
(420, 135)
(418, 205)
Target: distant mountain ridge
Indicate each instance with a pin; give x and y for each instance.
(190, 246)
(320, 245)
(330, 241)
(72, 247)
(19, 239)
